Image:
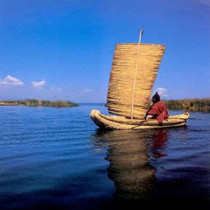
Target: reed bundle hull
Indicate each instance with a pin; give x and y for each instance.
(123, 123)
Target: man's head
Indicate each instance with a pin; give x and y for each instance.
(155, 98)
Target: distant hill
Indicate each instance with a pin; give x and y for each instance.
(36, 102)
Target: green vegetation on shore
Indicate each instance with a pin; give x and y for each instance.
(35, 102)
(195, 105)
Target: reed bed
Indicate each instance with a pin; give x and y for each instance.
(195, 105)
(36, 102)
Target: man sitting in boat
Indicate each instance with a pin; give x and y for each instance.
(158, 110)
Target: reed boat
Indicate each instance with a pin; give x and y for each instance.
(133, 73)
(120, 122)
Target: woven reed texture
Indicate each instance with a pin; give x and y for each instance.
(119, 97)
(115, 122)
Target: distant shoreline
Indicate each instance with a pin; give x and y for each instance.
(193, 105)
(36, 102)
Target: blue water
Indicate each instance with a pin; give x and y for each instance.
(56, 158)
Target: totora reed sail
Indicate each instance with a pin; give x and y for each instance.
(134, 71)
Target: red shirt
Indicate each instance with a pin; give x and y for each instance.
(159, 109)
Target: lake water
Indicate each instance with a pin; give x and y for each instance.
(56, 158)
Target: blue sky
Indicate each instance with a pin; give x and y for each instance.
(63, 49)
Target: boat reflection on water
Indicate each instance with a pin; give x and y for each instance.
(158, 140)
(129, 154)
